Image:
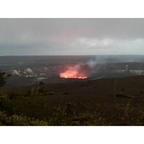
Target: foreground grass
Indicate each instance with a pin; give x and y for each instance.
(42, 106)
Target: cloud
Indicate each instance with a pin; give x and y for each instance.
(71, 36)
(108, 45)
(79, 46)
(92, 42)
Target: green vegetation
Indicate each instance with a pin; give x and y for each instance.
(123, 95)
(2, 78)
(19, 120)
(41, 105)
(31, 107)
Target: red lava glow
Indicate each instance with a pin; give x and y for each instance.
(75, 72)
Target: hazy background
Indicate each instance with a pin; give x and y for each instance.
(71, 36)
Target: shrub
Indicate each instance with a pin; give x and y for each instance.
(3, 77)
(59, 117)
(20, 120)
(65, 93)
(122, 95)
(50, 92)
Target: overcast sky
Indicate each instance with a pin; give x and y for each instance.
(71, 36)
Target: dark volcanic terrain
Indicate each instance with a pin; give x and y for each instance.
(115, 101)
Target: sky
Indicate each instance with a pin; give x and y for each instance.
(71, 36)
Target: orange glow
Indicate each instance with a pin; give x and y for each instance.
(74, 72)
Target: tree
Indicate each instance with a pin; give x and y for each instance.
(3, 77)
